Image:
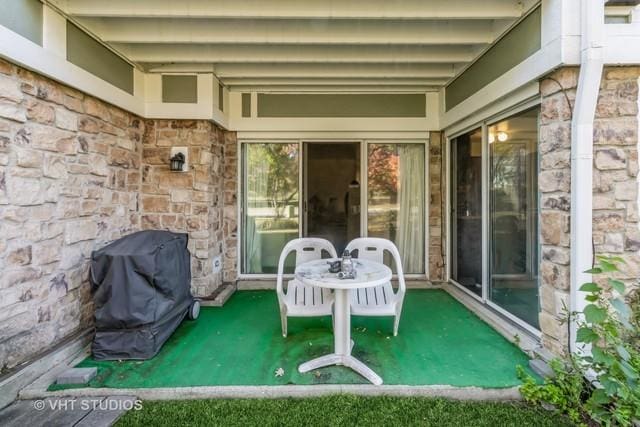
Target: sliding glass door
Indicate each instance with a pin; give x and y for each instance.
(270, 204)
(466, 211)
(278, 206)
(513, 215)
(332, 191)
(396, 200)
(493, 233)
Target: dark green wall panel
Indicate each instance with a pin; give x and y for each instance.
(180, 89)
(87, 53)
(246, 105)
(517, 45)
(220, 97)
(23, 17)
(342, 105)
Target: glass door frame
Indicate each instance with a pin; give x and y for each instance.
(364, 229)
(484, 125)
(304, 169)
(364, 143)
(449, 242)
(242, 190)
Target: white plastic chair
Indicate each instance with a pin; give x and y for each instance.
(300, 300)
(380, 300)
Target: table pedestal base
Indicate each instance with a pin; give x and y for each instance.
(344, 360)
(343, 344)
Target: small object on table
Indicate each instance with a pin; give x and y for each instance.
(334, 266)
(347, 270)
(344, 275)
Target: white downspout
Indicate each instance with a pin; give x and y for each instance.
(592, 63)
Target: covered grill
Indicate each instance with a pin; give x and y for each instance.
(141, 286)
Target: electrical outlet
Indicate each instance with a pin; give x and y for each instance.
(217, 264)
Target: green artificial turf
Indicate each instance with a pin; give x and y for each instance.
(439, 342)
(339, 410)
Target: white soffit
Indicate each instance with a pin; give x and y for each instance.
(293, 44)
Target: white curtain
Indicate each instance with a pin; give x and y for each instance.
(253, 247)
(410, 233)
(257, 185)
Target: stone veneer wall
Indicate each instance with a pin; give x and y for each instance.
(616, 226)
(230, 230)
(437, 221)
(69, 182)
(554, 184)
(77, 173)
(615, 186)
(188, 201)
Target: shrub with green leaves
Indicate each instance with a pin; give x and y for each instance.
(600, 381)
(633, 335)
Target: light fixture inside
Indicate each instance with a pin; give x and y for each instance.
(492, 138)
(503, 136)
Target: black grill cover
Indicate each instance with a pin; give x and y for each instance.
(141, 286)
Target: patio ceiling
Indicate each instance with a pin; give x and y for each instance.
(301, 45)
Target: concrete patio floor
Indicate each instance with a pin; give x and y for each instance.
(440, 342)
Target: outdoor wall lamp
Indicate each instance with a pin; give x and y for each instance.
(179, 159)
(177, 162)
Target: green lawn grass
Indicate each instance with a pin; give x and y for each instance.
(339, 410)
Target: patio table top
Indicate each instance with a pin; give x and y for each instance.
(369, 273)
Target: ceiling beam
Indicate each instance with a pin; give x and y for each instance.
(322, 82)
(289, 70)
(357, 88)
(121, 30)
(181, 53)
(295, 9)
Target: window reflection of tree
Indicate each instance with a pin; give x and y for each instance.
(509, 206)
(382, 182)
(509, 174)
(272, 181)
(383, 170)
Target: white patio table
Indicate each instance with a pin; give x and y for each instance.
(316, 273)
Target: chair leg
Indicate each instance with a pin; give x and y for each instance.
(283, 322)
(333, 320)
(396, 322)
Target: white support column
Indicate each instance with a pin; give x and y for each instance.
(205, 94)
(153, 88)
(235, 105)
(139, 84)
(225, 98)
(214, 93)
(433, 100)
(254, 104)
(635, 15)
(54, 32)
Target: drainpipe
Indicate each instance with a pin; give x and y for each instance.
(592, 46)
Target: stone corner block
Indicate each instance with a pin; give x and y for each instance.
(77, 376)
